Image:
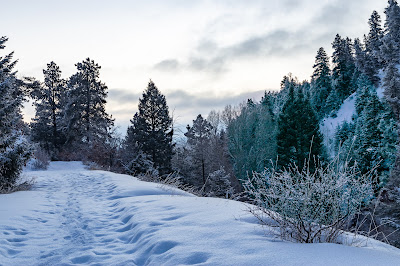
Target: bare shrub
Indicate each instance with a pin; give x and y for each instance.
(40, 159)
(309, 206)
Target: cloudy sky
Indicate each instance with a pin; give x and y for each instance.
(201, 54)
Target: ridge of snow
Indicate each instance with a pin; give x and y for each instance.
(76, 216)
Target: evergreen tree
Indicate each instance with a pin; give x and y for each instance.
(87, 121)
(373, 41)
(14, 150)
(199, 140)
(391, 40)
(343, 67)
(298, 133)
(365, 62)
(391, 54)
(252, 139)
(370, 135)
(135, 161)
(364, 88)
(50, 101)
(369, 140)
(321, 82)
(390, 51)
(151, 130)
(389, 140)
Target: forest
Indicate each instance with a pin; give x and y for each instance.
(267, 152)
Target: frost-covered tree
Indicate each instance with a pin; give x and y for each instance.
(49, 102)
(391, 39)
(252, 139)
(390, 51)
(374, 37)
(87, 121)
(343, 67)
(373, 41)
(151, 130)
(370, 138)
(321, 82)
(365, 63)
(14, 149)
(218, 184)
(298, 133)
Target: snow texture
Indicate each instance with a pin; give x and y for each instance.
(75, 216)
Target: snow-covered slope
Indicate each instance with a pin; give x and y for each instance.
(347, 110)
(328, 126)
(75, 216)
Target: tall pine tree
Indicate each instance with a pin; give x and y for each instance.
(199, 146)
(343, 67)
(49, 101)
(321, 82)
(151, 131)
(373, 42)
(298, 133)
(87, 121)
(390, 51)
(252, 138)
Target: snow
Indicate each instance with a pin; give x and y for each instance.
(328, 126)
(76, 216)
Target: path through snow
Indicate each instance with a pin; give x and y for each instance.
(75, 216)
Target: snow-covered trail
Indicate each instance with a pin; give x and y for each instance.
(75, 213)
(75, 216)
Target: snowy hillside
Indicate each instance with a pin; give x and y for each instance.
(76, 216)
(328, 125)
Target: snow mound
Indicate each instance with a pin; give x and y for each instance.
(76, 216)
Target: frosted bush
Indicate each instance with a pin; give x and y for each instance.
(218, 184)
(309, 207)
(40, 160)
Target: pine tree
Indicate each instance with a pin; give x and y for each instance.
(50, 101)
(134, 160)
(392, 32)
(373, 41)
(14, 149)
(151, 129)
(389, 139)
(252, 138)
(369, 140)
(199, 140)
(298, 133)
(321, 82)
(343, 67)
(364, 88)
(390, 51)
(370, 135)
(374, 38)
(87, 121)
(365, 62)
